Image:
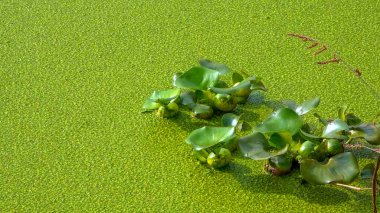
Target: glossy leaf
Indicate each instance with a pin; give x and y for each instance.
(283, 120)
(256, 83)
(230, 119)
(202, 111)
(370, 132)
(309, 137)
(209, 136)
(290, 104)
(342, 113)
(367, 171)
(150, 105)
(280, 140)
(236, 77)
(176, 76)
(197, 78)
(188, 99)
(221, 68)
(256, 146)
(334, 129)
(308, 105)
(240, 86)
(165, 96)
(342, 168)
(221, 84)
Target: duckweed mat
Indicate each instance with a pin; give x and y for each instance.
(74, 76)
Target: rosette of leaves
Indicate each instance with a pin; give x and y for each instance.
(209, 90)
(213, 145)
(164, 102)
(242, 87)
(274, 137)
(349, 126)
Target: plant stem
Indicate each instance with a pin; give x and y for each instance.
(322, 120)
(352, 187)
(337, 59)
(374, 185)
(361, 146)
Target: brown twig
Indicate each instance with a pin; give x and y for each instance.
(357, 72)
(322, 49)
(361, 146)
(341, 61)
(374, 185)
(333, 60)
(312, 45)
(303, 37)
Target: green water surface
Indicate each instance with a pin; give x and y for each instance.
(74, 76)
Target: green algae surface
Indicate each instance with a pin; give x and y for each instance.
(75, 74)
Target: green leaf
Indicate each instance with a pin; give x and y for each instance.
(370, 132)
(236, 77)
(256, 146)
(176, 76)
(290, 104)
(280, 140)
(256, 83)
(283, 120)
(367, 171)
(342, 113)
(308, 105)
(209, 136)
(230, 119)
(309, 137)
(334, 129)
(240, 86)
(202, 111)
(188, 99)
(342, 168)
(165, 96)
(150, 105)
(221, 68)
(221, 84)
(197, 78)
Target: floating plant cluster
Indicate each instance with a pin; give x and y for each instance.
(201, 90)
(284, 141)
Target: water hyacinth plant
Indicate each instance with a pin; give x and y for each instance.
(284, 141)
(201, 91)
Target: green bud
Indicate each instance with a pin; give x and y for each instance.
(279, 165)
(202, 111)
(306, 149)
(224, 102)
(243, 92)
(239, 100)
(168, 111)
(334, 147)
(220, 159)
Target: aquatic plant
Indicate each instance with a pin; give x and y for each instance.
(284, 140)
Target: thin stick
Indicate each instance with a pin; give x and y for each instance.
(312, 45)
(303, 37)
(348, 66)
(352, 187)
(374, 185)
(361, 146)
(320, 119)
(333, 60)
(322, 49)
